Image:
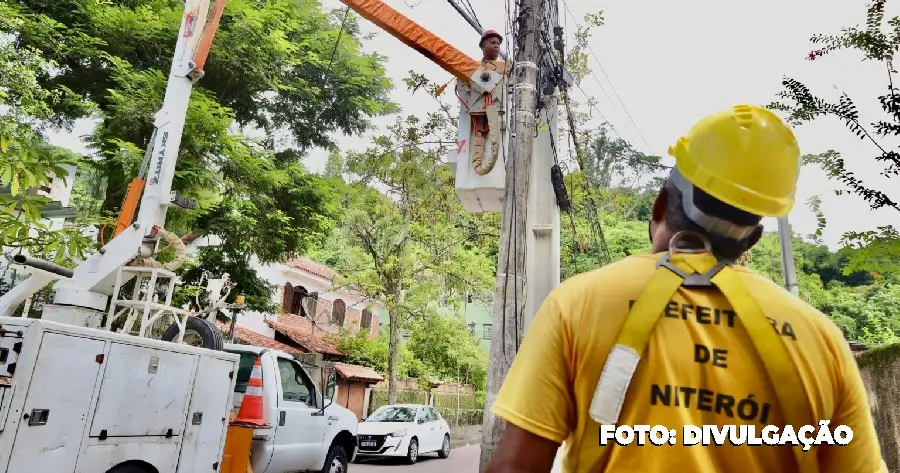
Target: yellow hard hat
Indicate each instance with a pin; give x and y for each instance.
(744, 156)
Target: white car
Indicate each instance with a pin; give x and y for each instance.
(403, 430)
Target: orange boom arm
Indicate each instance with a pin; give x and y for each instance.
(415, 36)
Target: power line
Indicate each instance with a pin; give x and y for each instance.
(613, 87)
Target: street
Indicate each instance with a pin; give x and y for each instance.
(461, 460)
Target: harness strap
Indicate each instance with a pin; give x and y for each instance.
(625, 356)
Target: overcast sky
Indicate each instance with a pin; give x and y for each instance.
(671, 63)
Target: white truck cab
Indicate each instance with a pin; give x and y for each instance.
(308, 432)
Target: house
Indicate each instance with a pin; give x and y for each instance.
(298, 336)
(312, 312)
(335, 308)
(477, 315)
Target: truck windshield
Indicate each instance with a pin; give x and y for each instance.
(244, 370)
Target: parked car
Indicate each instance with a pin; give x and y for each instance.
(403, 430)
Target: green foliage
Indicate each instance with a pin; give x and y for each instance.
(470, 411)
(445, 345)
(380, 398)
(373, 353)
(216, 260)
(880, 359)
(412, 244)
(878, 41)
(27, 163)
(286, 68)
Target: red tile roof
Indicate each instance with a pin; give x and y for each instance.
(256, 339)
(302, 331)
(305, 264)
(357, 373)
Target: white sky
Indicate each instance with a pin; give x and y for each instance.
(671, 63)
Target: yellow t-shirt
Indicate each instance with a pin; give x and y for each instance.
(698, 366)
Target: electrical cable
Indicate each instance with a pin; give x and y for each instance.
(616, 93)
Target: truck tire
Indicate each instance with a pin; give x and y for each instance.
(412, 454)
(336, 462)
(197, 332)
(132, 467)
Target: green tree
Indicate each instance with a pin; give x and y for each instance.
(413, 243)
(444, 344)
(27, 163)
(878, 41)
(284, 68)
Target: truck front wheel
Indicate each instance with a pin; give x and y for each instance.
(336, 461)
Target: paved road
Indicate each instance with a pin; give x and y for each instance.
(461, 460)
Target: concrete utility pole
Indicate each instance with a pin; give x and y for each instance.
(510, 296)
(788, 266)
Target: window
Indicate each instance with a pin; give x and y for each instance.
(245, 367)
(433, 415)
(486, 330)
(293, 296)
(422, 417)
(295, 386)
(296, 301)
(365, 320)
(338, 311)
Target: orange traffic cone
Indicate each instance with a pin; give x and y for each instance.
(251, 412)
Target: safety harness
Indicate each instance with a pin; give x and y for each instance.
(705, 270)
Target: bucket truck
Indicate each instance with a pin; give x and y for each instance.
(76, 396)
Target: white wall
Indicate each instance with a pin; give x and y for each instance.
(280, 274)
(256, 321)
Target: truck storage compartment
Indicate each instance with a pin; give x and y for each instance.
(10, 348)
(57, 404)
(205, 434)
(144, 392)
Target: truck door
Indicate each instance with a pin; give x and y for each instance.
(300, 427)
(58, 404)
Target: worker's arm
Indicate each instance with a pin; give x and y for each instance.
(536, 397)
(862, 454)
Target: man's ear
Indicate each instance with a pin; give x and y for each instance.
(658, 213)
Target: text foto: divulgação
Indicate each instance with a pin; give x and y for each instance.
(714, 435)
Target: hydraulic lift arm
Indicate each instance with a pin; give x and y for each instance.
(415, 36)
(93, 280)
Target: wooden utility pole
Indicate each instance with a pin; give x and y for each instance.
(509, 300)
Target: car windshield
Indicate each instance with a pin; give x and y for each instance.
(393, 414)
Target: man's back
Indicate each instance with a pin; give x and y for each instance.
(700, 367)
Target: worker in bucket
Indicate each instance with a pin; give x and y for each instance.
(684, 338)
(485, 113)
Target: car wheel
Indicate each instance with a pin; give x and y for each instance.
(412, 454)
(336, 461)
(445, 447)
